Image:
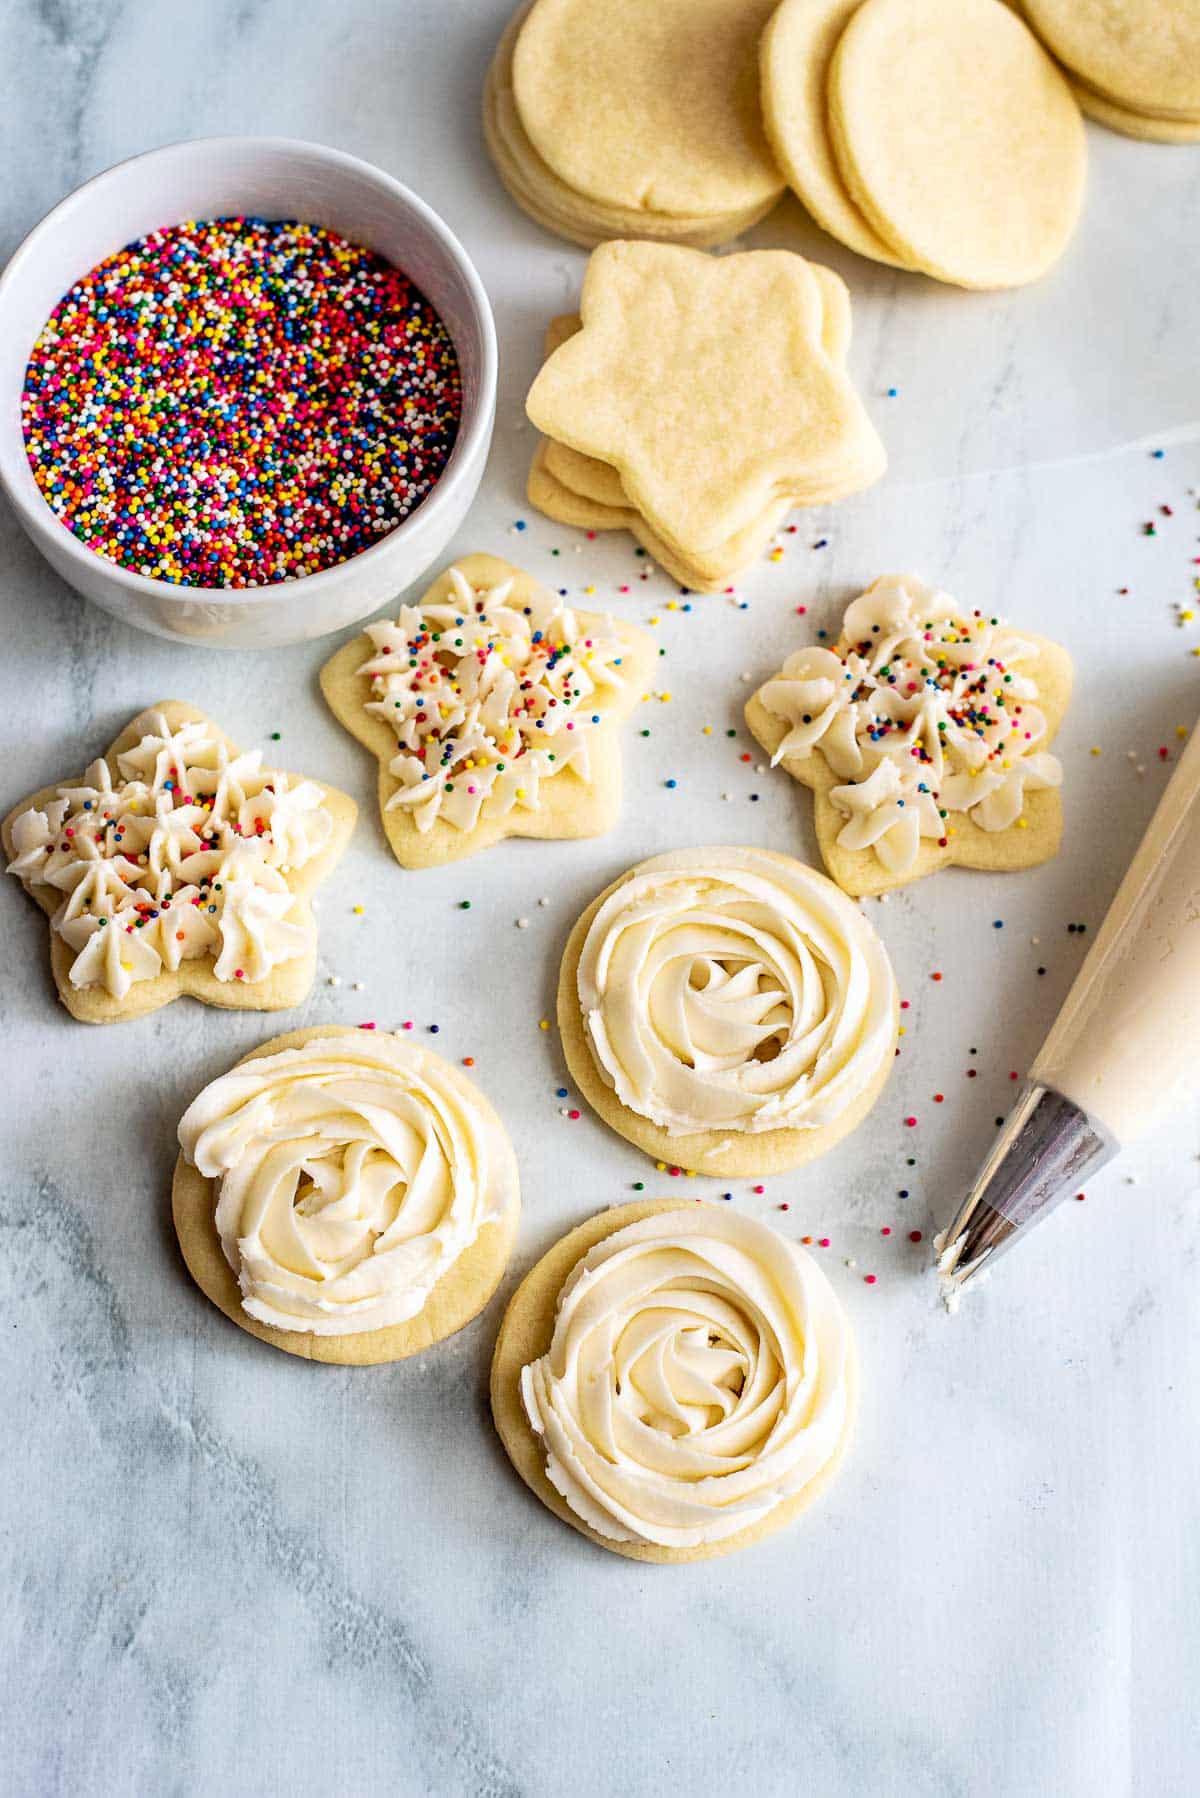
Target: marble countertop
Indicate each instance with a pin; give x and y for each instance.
(228, 1571)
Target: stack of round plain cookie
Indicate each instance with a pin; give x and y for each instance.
(934, 135)
(1134, 67)
(614, 118)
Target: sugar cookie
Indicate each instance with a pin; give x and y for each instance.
(1143, 125)
(704, 382)
(493, 710)
(727, 1010)
(796, 51)
(923, 733)
(958, 138)
(555, 206)
(1141, 55)
(345, 1196)
(649, 107)
(675, 1381)
(178, 863)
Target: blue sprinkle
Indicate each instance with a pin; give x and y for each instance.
(520, 524)
(892, 392)
(671, 783)
(433, 1029)
(1158, 454)
(561, 1093)
(726, 1195)
(998, 924)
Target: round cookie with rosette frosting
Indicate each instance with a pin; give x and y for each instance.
(674, 1380)
(345, 1196)
(727, 1010)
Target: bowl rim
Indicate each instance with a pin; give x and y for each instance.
(473, 433)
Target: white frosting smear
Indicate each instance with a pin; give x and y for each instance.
(352, 1176)
(723, 989)
(488, 698)
(696, 1379)
(923, 711)
(183, 855)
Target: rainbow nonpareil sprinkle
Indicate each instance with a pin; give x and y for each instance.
(239, 402)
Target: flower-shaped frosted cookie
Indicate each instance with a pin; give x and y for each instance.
(923, 734)
(675, 1381)
(345, 1195)
(178, 863)
(727, 1010)
(493, 709)
(704, 382)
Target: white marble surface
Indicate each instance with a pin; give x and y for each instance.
(226, 1571)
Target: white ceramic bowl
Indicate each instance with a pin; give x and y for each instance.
(264, 177)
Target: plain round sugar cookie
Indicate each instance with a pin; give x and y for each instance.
(1141, 125)
(558, 208)
(1141, 54)
(648, 106)
(687, 941)
(458, 1295)
(958, 138)
(797, 49)
(526, 1334)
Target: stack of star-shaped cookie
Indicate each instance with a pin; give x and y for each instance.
(695, 401)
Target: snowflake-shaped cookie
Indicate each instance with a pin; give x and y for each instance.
(178, 863)
(493, 709)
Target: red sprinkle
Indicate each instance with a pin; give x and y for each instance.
(914, 1236)
(868, 1279)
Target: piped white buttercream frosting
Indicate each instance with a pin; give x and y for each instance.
(695, 1380)
(184, 853)
(923, 711)
(353, 1172)
(731, 990)
(488, 697)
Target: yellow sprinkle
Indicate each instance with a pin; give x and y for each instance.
(1181, 731)
(708, 730)
(901, 1031)
(666, 698)
(1196, 652)
(1186, 617)
(358, 911)
(776, 555)
(520, 792)
(691, 1173)
(128, 966)
(543, 1023)
(661, 1166)
(653, 620)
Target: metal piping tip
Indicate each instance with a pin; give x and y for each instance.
(1047, 1148)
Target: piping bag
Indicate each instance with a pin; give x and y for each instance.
(1120, 1054)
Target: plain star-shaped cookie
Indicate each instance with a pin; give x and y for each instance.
(704, 382)
(111, 880)
(1032, 839)
(571, 803)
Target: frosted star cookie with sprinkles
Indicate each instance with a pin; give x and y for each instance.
(178, 863)
(924, 734)
(493, 709)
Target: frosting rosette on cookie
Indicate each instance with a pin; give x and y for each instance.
(351, 1176)
(696, 1379)
(733, 990)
